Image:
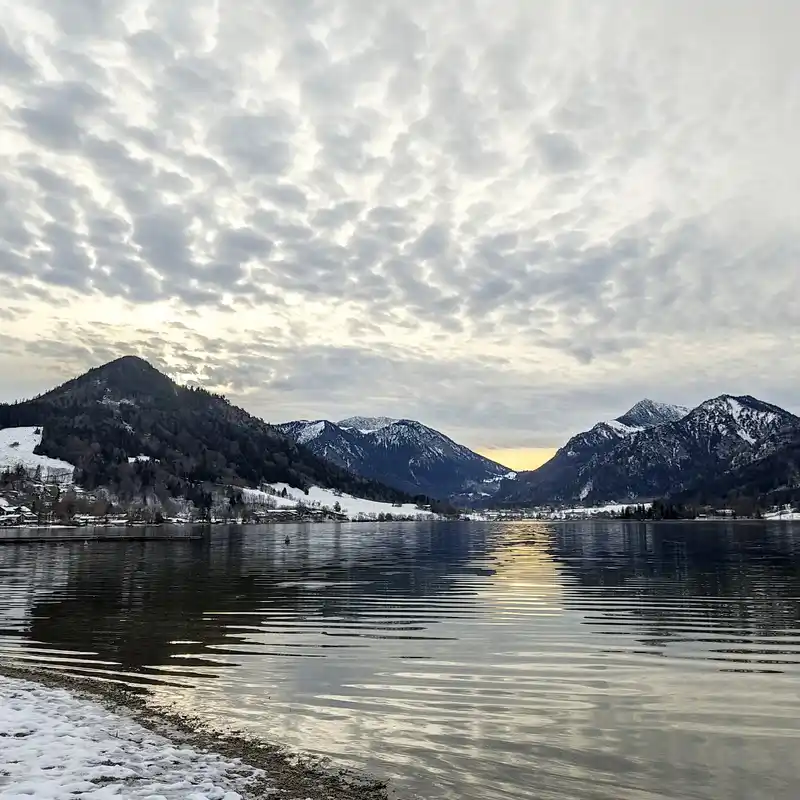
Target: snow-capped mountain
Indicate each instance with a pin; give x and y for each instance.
(406, 454)
(653, 450)
(648, 413)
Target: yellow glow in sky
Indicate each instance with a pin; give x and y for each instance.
(519, 458)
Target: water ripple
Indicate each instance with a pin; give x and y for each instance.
(594, 661)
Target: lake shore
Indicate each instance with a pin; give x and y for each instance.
(46, 712)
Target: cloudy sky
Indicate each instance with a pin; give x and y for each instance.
(506, 218)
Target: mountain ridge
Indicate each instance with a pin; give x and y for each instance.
(127, 426)
(400, 452)
(623, 462)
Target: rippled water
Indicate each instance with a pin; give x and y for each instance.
(593, 660)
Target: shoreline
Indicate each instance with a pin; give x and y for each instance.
(300, 776)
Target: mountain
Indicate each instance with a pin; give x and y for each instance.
(127, 426)
(653, 450)
(565, 477)
(648, 413)
(766, 475)
(401, 453)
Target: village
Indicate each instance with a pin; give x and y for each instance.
(37, 499)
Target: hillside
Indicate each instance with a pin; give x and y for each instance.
(402, 453)
(620, 461)
(568, 477)
(766, 477)
(127, 426)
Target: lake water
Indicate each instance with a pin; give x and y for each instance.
(587, 660)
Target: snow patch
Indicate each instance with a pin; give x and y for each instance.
(609, 508)
(788, 516)
(58, 747)
(16, 448)
(367, 424)
(311, 431)
(622, 428)
(353, 507)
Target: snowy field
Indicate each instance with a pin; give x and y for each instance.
(17, 446)
(352, 506)
(787, 516)
(54, 746)
(610, 508)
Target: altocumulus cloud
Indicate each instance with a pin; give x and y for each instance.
(506, 218)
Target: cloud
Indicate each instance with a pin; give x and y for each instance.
(508, 219)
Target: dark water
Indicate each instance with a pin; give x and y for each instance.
(587, 660)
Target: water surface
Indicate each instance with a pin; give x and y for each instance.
(588, 660)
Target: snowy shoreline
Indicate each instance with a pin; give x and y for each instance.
(61, 735)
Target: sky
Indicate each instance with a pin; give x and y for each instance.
(505, 218)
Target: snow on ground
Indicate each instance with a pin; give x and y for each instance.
(17, 446)
(352, 506)
(509, 476)
(54, 746)
(610, 508)
(789, 516)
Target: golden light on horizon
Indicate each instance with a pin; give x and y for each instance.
(519, 458)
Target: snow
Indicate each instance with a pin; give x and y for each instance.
(55, 746)
(367, 424)
(609, 508)
(311, 431)
(507, 476)
(134, 459)
(736, 408)
(17, 446)
(584, 493)
(622, 428)
(353, 507)
(649, 413)
(789, 516)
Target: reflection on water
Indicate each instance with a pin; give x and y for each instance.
(588, 660)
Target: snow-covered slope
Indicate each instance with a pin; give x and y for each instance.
(354, 507)
(648, 413)
(653, 450)
(16, 448)
(402, 453)
(365, 424)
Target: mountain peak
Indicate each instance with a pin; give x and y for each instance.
(104, 420)
(403, 453)
(647, 413)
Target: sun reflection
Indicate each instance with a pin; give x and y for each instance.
(525, 570)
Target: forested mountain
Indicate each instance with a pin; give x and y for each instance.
(767, 476)
(399, 452)
(127, 426)
(567, 477)
(717, 444)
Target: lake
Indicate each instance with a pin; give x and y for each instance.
(587, 660)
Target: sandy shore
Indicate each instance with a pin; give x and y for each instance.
(45, 712)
